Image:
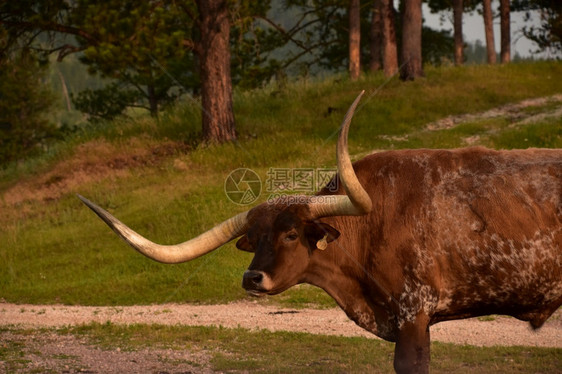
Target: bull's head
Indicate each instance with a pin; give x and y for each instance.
(282, 233)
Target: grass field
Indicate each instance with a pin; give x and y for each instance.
(153, 175)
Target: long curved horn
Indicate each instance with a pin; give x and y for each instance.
(173, 254)
(357, 202)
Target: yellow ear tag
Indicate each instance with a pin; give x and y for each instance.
(322, 243)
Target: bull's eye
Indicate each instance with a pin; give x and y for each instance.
(291, 237)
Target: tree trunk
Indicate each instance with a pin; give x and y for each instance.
(411, 41)
(457, 21)
(214, 59)
(389, 50)
(489, 30)
(354, 40)
(376, 37)
(64, 91)
(505, 53)
(152, 100)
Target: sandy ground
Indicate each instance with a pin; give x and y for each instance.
(487, 331)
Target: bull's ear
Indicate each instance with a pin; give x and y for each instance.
(319, 234)
(244, 244)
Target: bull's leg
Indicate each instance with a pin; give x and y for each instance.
(411, 353)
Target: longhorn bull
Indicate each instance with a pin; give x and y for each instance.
(411, 238)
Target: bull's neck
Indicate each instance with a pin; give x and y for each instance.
(353, 292)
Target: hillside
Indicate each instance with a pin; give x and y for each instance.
(157, 178)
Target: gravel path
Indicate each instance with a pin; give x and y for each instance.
(487, 331)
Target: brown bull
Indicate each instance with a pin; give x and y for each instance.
(411, 238)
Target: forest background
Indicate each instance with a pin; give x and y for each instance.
(66, 65)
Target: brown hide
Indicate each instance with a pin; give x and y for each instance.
(453, 234)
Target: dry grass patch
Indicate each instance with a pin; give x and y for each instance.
(93, 161)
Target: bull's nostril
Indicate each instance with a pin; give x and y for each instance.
(257, 278)
(252, 279)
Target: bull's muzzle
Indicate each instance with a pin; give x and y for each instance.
(253, 282)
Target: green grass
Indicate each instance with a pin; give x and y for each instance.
(170, 188)
(547, 134)
(240, 350)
